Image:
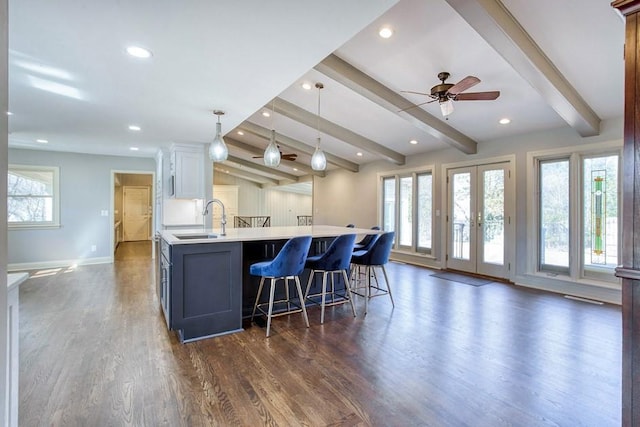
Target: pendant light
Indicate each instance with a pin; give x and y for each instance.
(318, 160)
(272, 153)
(218, 151)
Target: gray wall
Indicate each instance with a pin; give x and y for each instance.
(344, 197)
(85, 190)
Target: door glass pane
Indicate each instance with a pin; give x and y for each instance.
(406, 210)
(554, 215)
(461, 214)
(425, 204)
(388, 204)
(600, 212)
(493, 216)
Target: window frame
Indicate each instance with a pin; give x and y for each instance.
(396, 176)
(55, 196)
(575, 155)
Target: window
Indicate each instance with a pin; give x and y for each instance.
(578, 206)
(32, 196)
(389, 204)
(554, 215)
(407, 208)
(424, 218)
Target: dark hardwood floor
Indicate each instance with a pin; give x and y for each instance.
(95, 351)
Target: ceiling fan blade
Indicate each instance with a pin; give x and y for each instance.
(463, 85)
(291, 157)
(417, 105)
(477, 96)
(415, 93)
(257, 157)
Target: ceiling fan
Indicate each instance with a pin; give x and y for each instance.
(446, 93)
(291, 156)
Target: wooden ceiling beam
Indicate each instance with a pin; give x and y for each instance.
(262, 169)
(245, 174)
(307, 118)
(494, 23)
(294, 144)
(259, 152)
(351, 77)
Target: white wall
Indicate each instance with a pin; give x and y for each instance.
(85, 190)
(344, 197)
(282, 206)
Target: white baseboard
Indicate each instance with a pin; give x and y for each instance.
(57, 263)
(593, 292)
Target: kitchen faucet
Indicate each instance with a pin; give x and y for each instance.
(224, 215)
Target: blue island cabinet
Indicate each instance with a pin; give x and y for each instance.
(206, 289)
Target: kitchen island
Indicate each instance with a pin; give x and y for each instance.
(205, 287)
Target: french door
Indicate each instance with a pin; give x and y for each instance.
(478, 221)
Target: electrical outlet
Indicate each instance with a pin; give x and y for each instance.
(104, 213)
(93, 248)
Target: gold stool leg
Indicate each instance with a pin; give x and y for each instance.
(271, 294)
(348, 290)
(304, 309)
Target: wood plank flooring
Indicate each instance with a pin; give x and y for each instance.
(95, 351)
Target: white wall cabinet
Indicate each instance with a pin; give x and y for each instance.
(187, 169)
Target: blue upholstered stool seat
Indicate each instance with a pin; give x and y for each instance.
(288, 264)
(335, 260)
(377, 255)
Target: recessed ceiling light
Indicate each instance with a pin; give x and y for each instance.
(42, 141)
(9, 113)
(413, 141)
(133, 148)
(306, 86)
(359, 154)
(266, 114)
(240, 133)
(138, 52)
(134, 127)
(295, 169)
(385, 32)
(505, 121)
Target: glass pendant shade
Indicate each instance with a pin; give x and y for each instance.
(446, 107)
(272, 153)
(218, 151)
(318, 160)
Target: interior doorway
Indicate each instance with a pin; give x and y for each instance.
(132, 206)
(479, 229)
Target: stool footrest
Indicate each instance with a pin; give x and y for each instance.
(279, 312)
(330, 299)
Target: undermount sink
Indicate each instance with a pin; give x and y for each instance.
(195, 236)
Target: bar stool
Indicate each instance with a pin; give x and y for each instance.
(366, 240)
(376, 256)
(335, 260)
(288, 264)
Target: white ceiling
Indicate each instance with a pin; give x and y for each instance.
(70, 81)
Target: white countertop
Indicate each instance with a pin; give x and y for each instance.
(262, 233)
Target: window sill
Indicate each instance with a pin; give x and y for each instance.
(33, 226)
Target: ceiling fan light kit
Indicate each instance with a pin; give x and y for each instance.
(318, 160)
(445, 93)
(218, 151)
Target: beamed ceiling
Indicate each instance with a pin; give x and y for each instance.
(70, 82)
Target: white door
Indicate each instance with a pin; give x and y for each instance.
(478, 220)
(137, 213)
